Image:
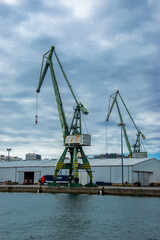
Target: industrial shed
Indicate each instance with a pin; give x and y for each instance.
(145, 171)
(18, 171)
(107, 171)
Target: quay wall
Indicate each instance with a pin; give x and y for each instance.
(109, 190)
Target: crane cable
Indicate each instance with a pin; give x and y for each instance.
(106, 138)
(85, 123)
(36, 116)
(69, 117)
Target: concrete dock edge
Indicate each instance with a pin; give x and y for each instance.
(109, 190)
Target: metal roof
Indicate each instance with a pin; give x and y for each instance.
(118, 161)
(29, 163)
(93, 162)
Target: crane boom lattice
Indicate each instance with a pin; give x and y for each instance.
(135, 150)
(73, 138)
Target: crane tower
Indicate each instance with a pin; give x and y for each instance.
(135, 150)
(73, 138)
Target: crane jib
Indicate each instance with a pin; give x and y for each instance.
(72, 136)
(66, 130)
(136, 146)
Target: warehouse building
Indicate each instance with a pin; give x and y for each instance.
(18, 171)
(145, 171)
(106, 171)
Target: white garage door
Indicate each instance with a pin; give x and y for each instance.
(144, 178)
(20, 177)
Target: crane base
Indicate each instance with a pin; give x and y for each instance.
(75, 184)
(73, 165)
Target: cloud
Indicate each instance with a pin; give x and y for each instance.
(81, 10)
(11, 2)
(103, 46)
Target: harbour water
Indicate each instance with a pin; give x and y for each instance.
(25, 216)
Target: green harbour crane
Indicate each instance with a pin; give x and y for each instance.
(135, 150)
(73, 138)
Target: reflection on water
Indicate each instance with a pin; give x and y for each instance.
(65, 216)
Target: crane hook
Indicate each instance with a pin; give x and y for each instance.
(36, 119)
(36, 116)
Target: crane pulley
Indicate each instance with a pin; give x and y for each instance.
(135, 150)
(72, 135)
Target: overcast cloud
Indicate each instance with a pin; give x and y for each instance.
(103, 46)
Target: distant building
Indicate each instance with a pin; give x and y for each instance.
(2, 158)
(33, 156)
(14, 158)
(11, 158)
(108, 155)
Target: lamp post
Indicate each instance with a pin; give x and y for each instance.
(122, 125)
(8, 149)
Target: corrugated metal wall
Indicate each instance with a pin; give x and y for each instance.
(107, 174)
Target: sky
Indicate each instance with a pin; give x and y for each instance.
(104, 46)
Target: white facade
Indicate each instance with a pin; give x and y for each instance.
(16, 171)
(145, 171)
